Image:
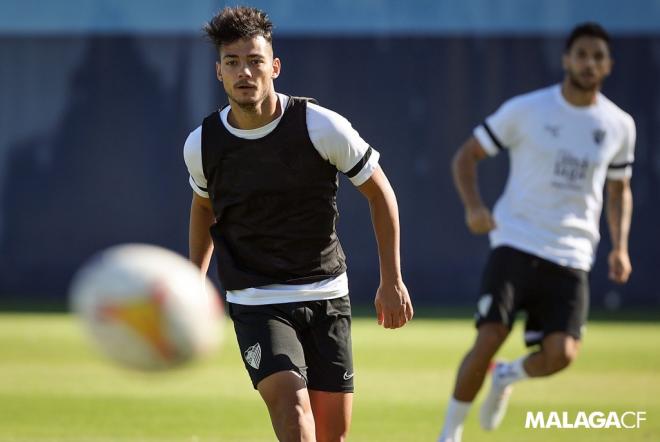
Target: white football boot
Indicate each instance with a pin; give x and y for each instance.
(494, 407)
(456, 437)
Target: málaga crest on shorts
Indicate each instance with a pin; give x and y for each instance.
(483, 306)
(253, 356)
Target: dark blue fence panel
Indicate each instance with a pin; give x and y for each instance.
(92, 132)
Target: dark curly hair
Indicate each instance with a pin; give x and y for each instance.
(234, 23)
(589, 29)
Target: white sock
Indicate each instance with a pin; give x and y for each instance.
(513, 371)
(456, 412)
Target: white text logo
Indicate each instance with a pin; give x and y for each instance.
(594, 419)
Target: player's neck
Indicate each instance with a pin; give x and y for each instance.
(258, 115)
(576, 96)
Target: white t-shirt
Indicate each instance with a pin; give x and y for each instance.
(560, 157)
(338, 143)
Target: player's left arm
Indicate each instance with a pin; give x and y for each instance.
(619, 214)
(338, 143)
(393, 305)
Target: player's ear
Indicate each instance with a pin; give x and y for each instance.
(565, 61)
(218, 74)
(277, 66)
(610, 66)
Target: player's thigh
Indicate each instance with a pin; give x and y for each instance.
(268, 341)
(500, 292)
(561, 347)
(490, 337)
(328, 347)
(283, 391)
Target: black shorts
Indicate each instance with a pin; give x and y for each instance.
(555, 297)
(312, 338)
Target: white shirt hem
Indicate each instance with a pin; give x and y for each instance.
(573, 263)
(329, 288)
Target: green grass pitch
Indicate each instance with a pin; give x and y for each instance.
(55, 387)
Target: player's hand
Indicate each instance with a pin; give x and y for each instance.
(479, 220)
(620, 266)
(393, 305)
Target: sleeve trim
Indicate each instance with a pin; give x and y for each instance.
(360, 164)
(492, 136)
(619, 165)
(367, 170)
(201, 191)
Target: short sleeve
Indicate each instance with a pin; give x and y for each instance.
(621, 165)
(192, 154)
(500, 130)
(337, 142)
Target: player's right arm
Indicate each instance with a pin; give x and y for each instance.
(464, 170)
(199, 238)
(202, 217)
(498, 132)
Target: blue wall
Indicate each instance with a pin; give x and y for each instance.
(92, 127)
(332, 17)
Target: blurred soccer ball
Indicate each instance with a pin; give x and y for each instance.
(146, 307)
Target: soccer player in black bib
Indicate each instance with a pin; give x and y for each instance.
(264, 174)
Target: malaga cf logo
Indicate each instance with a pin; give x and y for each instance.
(253, 356)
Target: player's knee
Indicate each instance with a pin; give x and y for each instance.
(569, 354)
(332, 435)
(290, 411)
(560, 357)
(491, 336)
(558, 361)
(295, 421)
(303, 418)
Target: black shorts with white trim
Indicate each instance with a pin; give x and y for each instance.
(555, 297)
(312, 338)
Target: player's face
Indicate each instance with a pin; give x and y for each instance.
(246, 69)
(587, 63)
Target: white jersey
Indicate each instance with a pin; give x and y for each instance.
(560, 157)
(338, 143)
